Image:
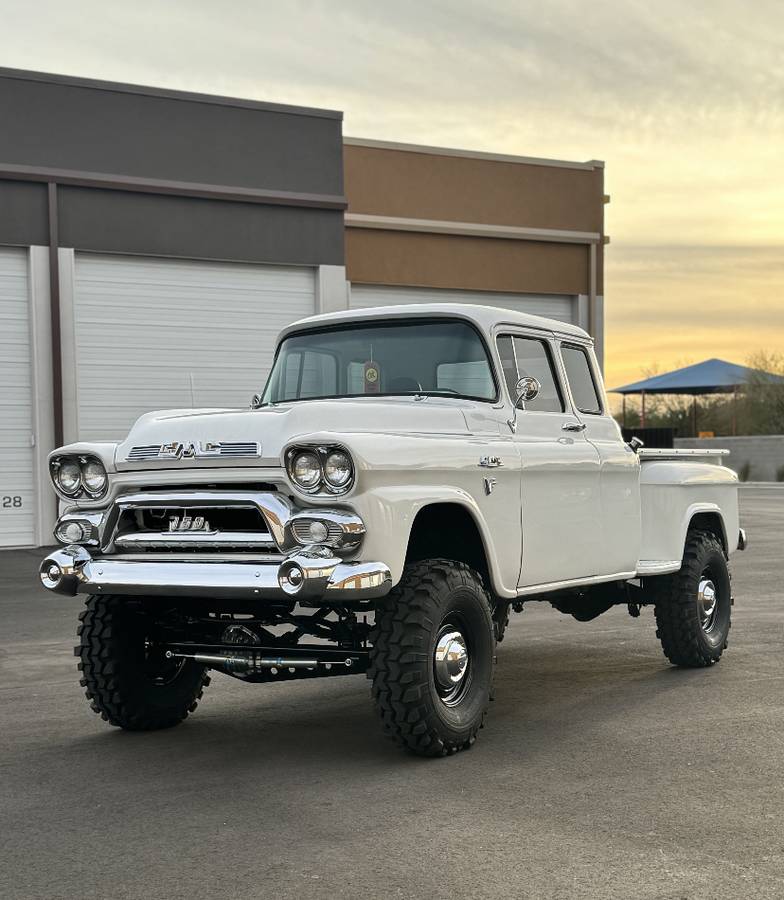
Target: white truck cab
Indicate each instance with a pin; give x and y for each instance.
(424, 467)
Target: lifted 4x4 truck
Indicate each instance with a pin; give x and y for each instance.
(408, 475)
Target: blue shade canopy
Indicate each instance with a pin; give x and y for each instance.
(713, 376)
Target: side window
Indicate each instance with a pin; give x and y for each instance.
(581, 381)
(521, 356)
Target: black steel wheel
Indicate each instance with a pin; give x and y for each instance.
(433, 657)
(694, 605)
(129, 681)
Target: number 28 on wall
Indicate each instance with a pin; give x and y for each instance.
(12, 502)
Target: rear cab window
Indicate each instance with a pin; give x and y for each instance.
(582, 383)
(521, 356)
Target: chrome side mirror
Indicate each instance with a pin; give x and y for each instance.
(526, 389)
(255, 403)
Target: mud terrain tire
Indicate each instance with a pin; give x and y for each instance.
(437, 619)
(693, 631)
(127, 685)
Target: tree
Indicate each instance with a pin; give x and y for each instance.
(763, 396)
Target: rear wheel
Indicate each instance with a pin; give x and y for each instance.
(433, 658)
(129, 682)
(693, 606)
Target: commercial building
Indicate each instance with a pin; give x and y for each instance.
(429, 224)
(153, 243)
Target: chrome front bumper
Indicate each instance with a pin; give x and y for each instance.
(311, 576)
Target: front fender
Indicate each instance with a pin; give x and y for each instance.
(389, 513)
(398, 475)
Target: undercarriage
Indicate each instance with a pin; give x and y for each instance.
(429, 650)
(279, 644)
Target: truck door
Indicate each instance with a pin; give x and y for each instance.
(559, 490)
(620, 466)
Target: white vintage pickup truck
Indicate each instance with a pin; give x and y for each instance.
(407, 476)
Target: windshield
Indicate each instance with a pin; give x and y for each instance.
(420, 357)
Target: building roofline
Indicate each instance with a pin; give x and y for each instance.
(471, 154)
(169, 94)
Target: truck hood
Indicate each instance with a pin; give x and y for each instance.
(274, 427)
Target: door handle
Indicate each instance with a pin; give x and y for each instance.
(573, 426)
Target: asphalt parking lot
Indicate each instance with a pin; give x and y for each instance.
(602, 772)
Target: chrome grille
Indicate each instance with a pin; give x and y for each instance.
(151, 451)
(216, 540)
(239, 448)
(226, 526)
(195, 450)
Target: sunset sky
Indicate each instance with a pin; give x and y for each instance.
(683, 100)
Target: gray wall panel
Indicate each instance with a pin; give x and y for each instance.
(761, 455)
(194, 228)
(64, 125)
(23, 213)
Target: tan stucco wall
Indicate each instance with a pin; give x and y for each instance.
(465, 189)
(435, 260)
(430, 186)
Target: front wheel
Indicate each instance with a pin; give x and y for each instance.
(433, 658)
(693, 605)
(129, 682)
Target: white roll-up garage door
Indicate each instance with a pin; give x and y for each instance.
(556, 306)
(17, 483)
(159, 333)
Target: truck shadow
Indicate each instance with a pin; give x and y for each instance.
(546, 696)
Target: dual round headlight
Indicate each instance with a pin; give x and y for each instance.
(315, 469)
(68, 476)
(306, 470)
(74, 476)
(94, 477)
(338, 469)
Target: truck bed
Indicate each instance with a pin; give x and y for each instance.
(658, 454)
(675, 486)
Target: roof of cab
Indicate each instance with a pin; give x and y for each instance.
(484, 317)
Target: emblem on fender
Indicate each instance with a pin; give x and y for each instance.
(196, 450)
